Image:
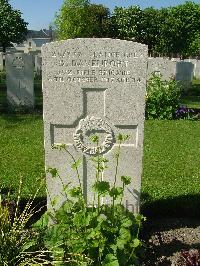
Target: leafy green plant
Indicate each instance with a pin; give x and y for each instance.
(100, 234)
(162, 98)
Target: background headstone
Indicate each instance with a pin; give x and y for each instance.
(162, 67)
(94, 86)
(197, 69)
(194, 62)
(38, 64)
(184, 73)
(20, 80)
(1, 61)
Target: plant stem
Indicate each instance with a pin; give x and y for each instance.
(122, 193)
(77, 172)
(98, 174)
(116, 172)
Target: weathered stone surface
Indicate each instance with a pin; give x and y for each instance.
(38, 64)
(94, 86)
(1, 61)
(161, 66)
(184, 73)
(20, 79)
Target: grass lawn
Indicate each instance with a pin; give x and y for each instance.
(191, 101)
(192, 98)
(171, 176)
(21, 151)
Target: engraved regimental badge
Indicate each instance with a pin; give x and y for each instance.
(94, 125)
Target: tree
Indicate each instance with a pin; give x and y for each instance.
(149, 27)
(180, 28)
(12, 27)
(125, 22)
(194, 47)
(167, 31)
(99, 20)
(187, 18)
(79, 18)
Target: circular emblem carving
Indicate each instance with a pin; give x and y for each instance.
(93, 125)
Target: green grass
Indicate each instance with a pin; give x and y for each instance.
(192, 98)
(191, 101)
(21, 151)
(171, 175)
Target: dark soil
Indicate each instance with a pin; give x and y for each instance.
(166, 238)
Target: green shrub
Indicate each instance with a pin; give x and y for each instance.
(100, 234)
(162, 98)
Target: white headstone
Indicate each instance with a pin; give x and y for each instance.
(94, 86)
(38, 64)
(184, 73)
(20, 79)
(193, 61)
(162, 67)
(1, 61)
(197, 69)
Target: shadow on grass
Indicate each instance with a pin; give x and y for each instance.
(22, 118)
(181, 206)
(178, 207)
(194, 90)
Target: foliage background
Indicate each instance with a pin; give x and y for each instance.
(172, 31)
(12, 27)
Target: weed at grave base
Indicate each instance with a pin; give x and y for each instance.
(91, 235)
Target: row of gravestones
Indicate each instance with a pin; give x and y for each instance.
(20, 75)
(159, 65)
(182, 71)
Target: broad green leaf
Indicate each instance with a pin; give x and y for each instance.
(27, 245)
(101, 187)
(76, 164)
(136, 242)
(75, 192)
(53, 172)
(125, 234)
(126, 179)
(94, 138)
(116, 192)
(122, 137)
(42, 222)
(126, 222)
(110, 260)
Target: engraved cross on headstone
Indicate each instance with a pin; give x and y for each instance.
(94, 120)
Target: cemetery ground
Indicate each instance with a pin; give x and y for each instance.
(171, 171)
